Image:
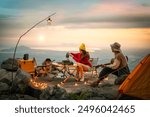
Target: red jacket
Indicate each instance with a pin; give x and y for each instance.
(85, 60)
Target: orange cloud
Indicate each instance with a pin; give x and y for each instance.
(118, 8)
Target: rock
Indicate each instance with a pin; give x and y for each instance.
(22, 76)
(120, 79)
(53, 92)
(33, 92)
(105, 85)
(4, 97)
(7, 65)
(25, 97)
(59, 92)
(81, 94)
(47, 93)
(4, 88)
(103, 92)
(4, 91)
(77, 91)
(85, 95)
(4, 80)
(127, 97)
(2, 73)
(6, 75)
(20, 82)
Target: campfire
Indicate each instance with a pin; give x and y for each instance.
(38, 84)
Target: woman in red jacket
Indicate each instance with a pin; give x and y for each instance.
(82, 59)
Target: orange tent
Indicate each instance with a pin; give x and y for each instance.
(137, 84)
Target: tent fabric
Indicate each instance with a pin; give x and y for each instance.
(137, 84)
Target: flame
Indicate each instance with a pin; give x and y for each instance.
(38, 84)
(85, 82)
(76, 84)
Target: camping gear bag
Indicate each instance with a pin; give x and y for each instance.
(27, 65)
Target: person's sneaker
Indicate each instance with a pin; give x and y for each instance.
(82, 79)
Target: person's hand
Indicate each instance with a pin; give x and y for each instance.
(42, 71)
(70, 55)
(97, 66)
(103, 65)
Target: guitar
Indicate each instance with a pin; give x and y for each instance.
(102, 65)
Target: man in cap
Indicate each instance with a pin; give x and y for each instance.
(117, 67)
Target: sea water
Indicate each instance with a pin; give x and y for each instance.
(103, 55)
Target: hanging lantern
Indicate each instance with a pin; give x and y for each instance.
(49, 21)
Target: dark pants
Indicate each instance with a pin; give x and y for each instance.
(106, 71)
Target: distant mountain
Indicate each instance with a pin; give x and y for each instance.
(19, 48)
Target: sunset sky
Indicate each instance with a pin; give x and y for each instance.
(97, 23)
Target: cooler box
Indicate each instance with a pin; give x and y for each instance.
(27, 65)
